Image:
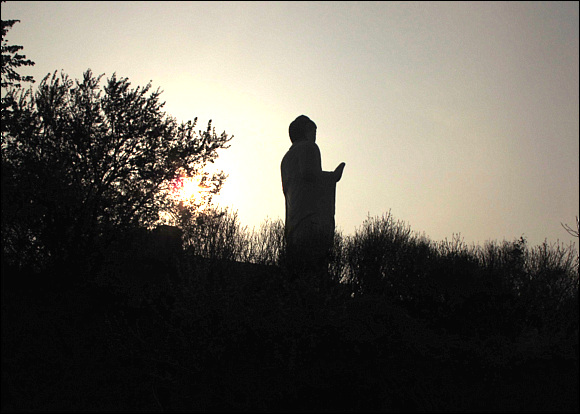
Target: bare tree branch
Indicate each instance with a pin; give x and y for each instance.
(570, 230)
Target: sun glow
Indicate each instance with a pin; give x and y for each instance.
(189, 190)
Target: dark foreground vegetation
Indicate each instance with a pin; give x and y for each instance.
(406, 324)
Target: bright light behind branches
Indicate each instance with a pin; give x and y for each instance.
(189, 190)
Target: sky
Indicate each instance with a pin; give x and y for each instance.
(460, 118)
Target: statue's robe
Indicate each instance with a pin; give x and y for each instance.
(310, 195)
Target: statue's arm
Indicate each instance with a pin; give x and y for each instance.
(311, 166)
(310, 163)
(338, 171)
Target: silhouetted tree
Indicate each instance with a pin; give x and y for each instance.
(12, 60)
(80, 161)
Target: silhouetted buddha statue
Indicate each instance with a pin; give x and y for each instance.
(310, 195)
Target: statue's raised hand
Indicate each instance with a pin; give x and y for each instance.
(338, 171)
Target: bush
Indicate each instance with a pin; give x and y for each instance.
(443, 327)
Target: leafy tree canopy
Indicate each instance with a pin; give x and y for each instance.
(80, 161)
(12, 60)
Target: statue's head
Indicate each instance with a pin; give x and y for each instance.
(302, 129)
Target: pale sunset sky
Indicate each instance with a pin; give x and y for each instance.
(459, 117)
